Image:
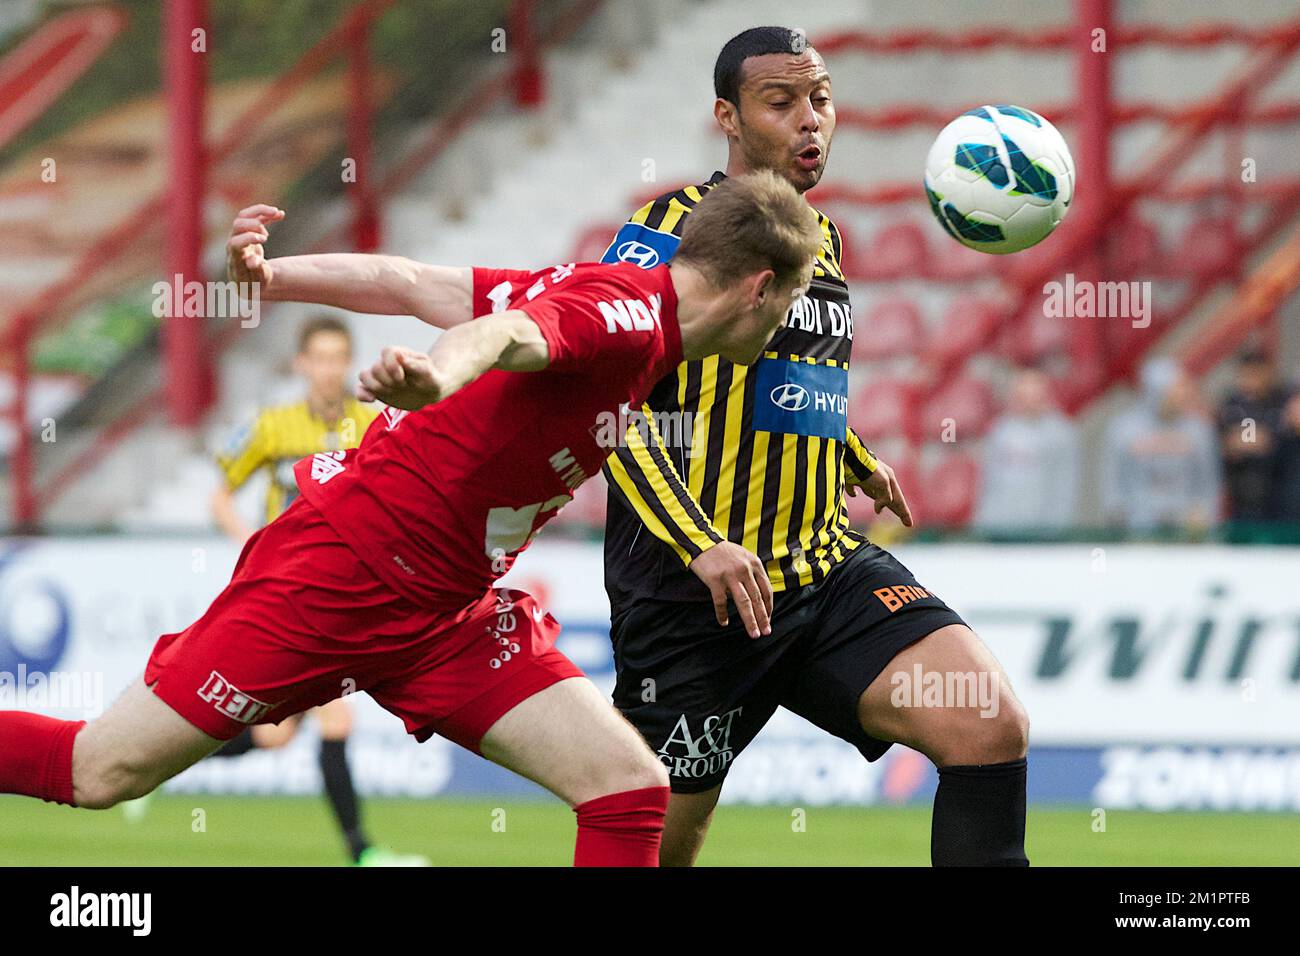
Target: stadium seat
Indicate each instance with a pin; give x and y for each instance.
(587, 509)
(954, 262)
(1135, 246)
(948, 488)
(965, 327)
(897, 251)
(1033, 336)
(852, 262)
(593, 241)
(882, 409)
(968, 402)
(1207, 246)
(893, 329)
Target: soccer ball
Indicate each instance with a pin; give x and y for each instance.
(999, 178)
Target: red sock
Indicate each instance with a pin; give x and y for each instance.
(621, 829)
(36, 755)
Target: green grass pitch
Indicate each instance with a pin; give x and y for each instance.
(184, 830)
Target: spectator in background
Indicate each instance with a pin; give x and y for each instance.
(1286, 504)
(1031, 463)
(1249, 420)
(327, 418)
(1160, 461)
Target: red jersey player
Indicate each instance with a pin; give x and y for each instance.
(380, 576)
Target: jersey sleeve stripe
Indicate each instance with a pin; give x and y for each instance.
(860, 459)
(671, 495)
(674, 217)
(650, 515)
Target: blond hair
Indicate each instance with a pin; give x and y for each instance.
(749, 223)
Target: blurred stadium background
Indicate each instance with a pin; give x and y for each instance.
(1114, 505)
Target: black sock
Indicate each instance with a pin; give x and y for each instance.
(342, 795)
(236, 745)
(979, 815)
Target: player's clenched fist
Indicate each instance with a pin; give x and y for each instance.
(403, 378)
(245, 257)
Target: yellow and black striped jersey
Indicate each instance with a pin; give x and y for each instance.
(754, 454)
(281, 435)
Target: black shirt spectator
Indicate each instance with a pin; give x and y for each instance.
(1287, 504)
(1249, 420)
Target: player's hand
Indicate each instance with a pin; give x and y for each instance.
(728, 569)
(884, 488)
(245, 257)
(402, 378)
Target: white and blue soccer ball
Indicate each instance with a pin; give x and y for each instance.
(999, 178)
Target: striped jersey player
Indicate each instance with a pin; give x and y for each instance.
(763, 458)
(769, 446)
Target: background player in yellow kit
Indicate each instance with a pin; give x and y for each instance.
(329, 418)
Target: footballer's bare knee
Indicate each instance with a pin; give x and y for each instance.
(132, 748)
(569, 739)
(642, 768)
(104, 772)
(95, 786)
(990, 737)
(979, 719)
(625, 762)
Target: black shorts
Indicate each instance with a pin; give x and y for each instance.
(699, 693)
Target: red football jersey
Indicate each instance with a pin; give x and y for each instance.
(439, 501)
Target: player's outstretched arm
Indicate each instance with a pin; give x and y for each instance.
(405, 378)
(374, 284)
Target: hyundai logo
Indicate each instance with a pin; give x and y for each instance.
(790, 397)
(638, 253)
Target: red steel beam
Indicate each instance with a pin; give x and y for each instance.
(1198, 36)
(1266, 289)
(1093, 148)
(522, 39)
(910, 115)
(22, 463)
(40, 70)
(187, 372)
(365, 215)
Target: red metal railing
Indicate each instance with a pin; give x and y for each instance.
(349, 38)
(1258, 298)
(1205, 34)
(40, 69)
(51, 304)
(1082, 243)
(187, 368)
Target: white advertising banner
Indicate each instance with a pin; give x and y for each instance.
(1116, 647)
(1127, 643)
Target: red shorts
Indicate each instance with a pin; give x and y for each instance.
(303, 622)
